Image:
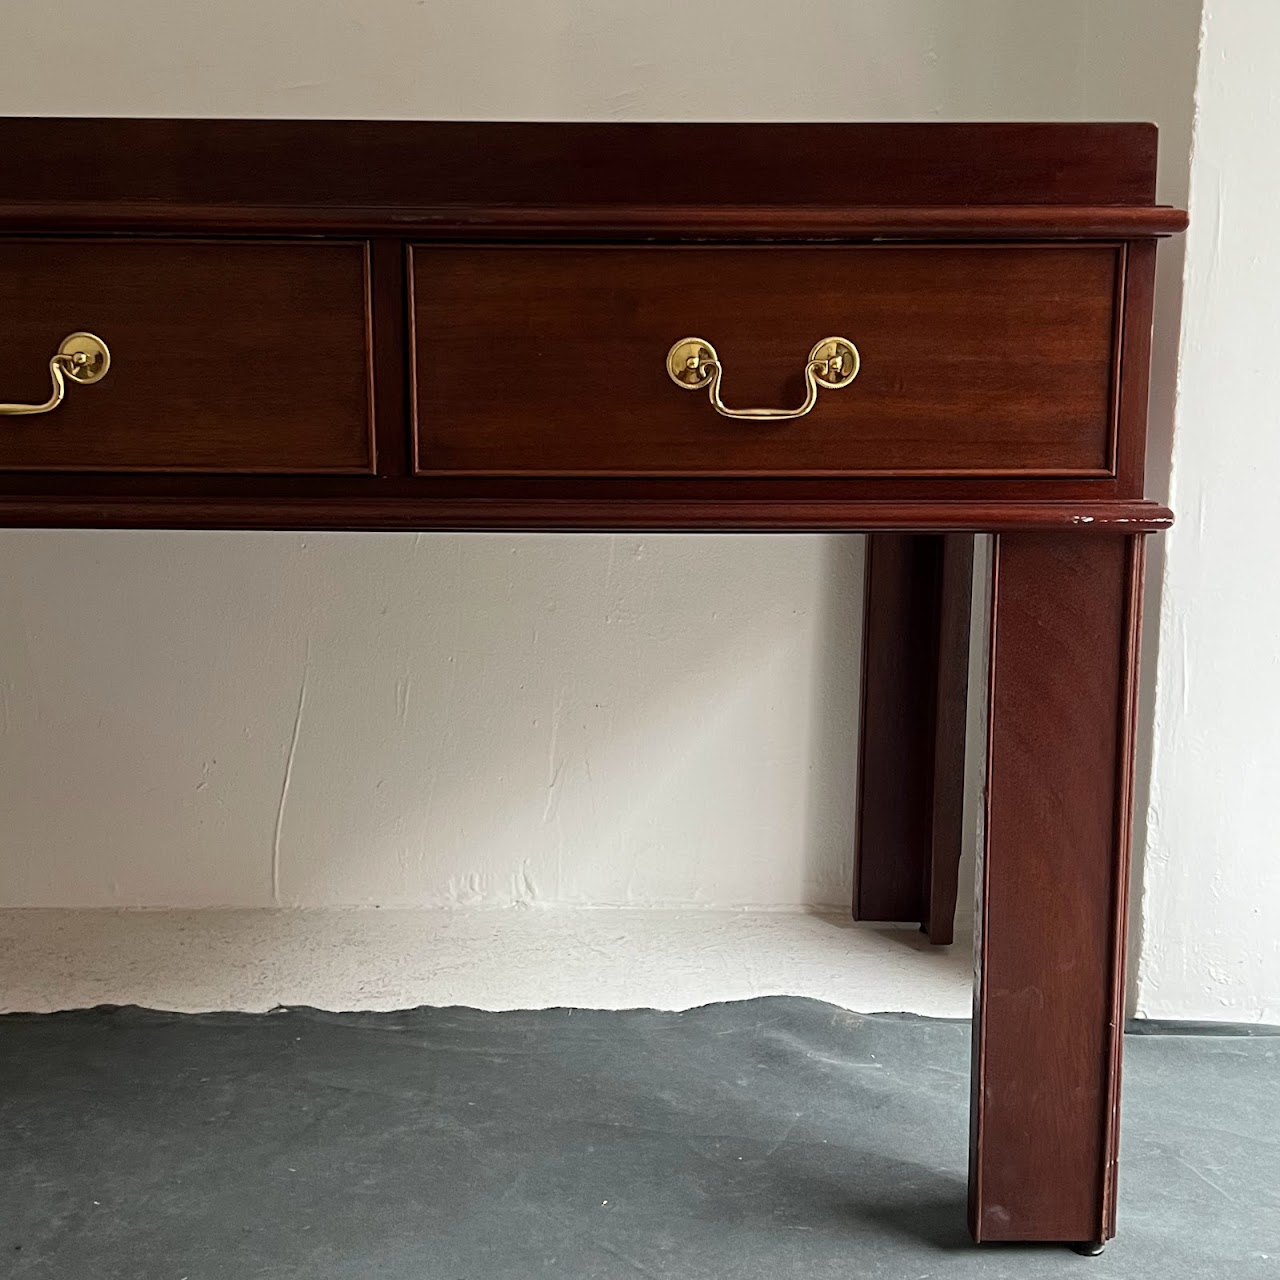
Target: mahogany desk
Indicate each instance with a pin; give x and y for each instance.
(939, 330)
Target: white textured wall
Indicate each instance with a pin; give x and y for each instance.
(564, 59)
(357, 719)
(1211, 908)
(217, 719)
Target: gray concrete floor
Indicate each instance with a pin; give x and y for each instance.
(771, 1138)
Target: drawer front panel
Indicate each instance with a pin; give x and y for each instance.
(975, 360)
(230, 356)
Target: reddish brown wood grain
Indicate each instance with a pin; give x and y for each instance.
(896, 752)
(1133, 375)
(466, 223)
(389, 334)
(225, 356)
(915, 666)
(1048, 1007)
(348, 510)
(394, 166)
(975, 360)
(951, 705)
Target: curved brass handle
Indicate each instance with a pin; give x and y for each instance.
(82, 357)
(693, 363)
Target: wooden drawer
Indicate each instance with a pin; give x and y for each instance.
(975, 359)
(235, 356)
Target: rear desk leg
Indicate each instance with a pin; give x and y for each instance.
(1049, 1001)
(914, 687)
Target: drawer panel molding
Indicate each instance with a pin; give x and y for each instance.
(975, 360)
(229, 356)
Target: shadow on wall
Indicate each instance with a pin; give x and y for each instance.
(831, 808)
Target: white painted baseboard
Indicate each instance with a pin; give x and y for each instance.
(197, 961)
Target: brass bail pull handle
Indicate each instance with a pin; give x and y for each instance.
(82, 357)
(693, 364)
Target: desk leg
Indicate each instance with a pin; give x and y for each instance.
(915, 666)
(1049, 1002)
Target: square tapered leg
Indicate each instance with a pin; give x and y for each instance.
(1049, 1001)
(914, 691)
